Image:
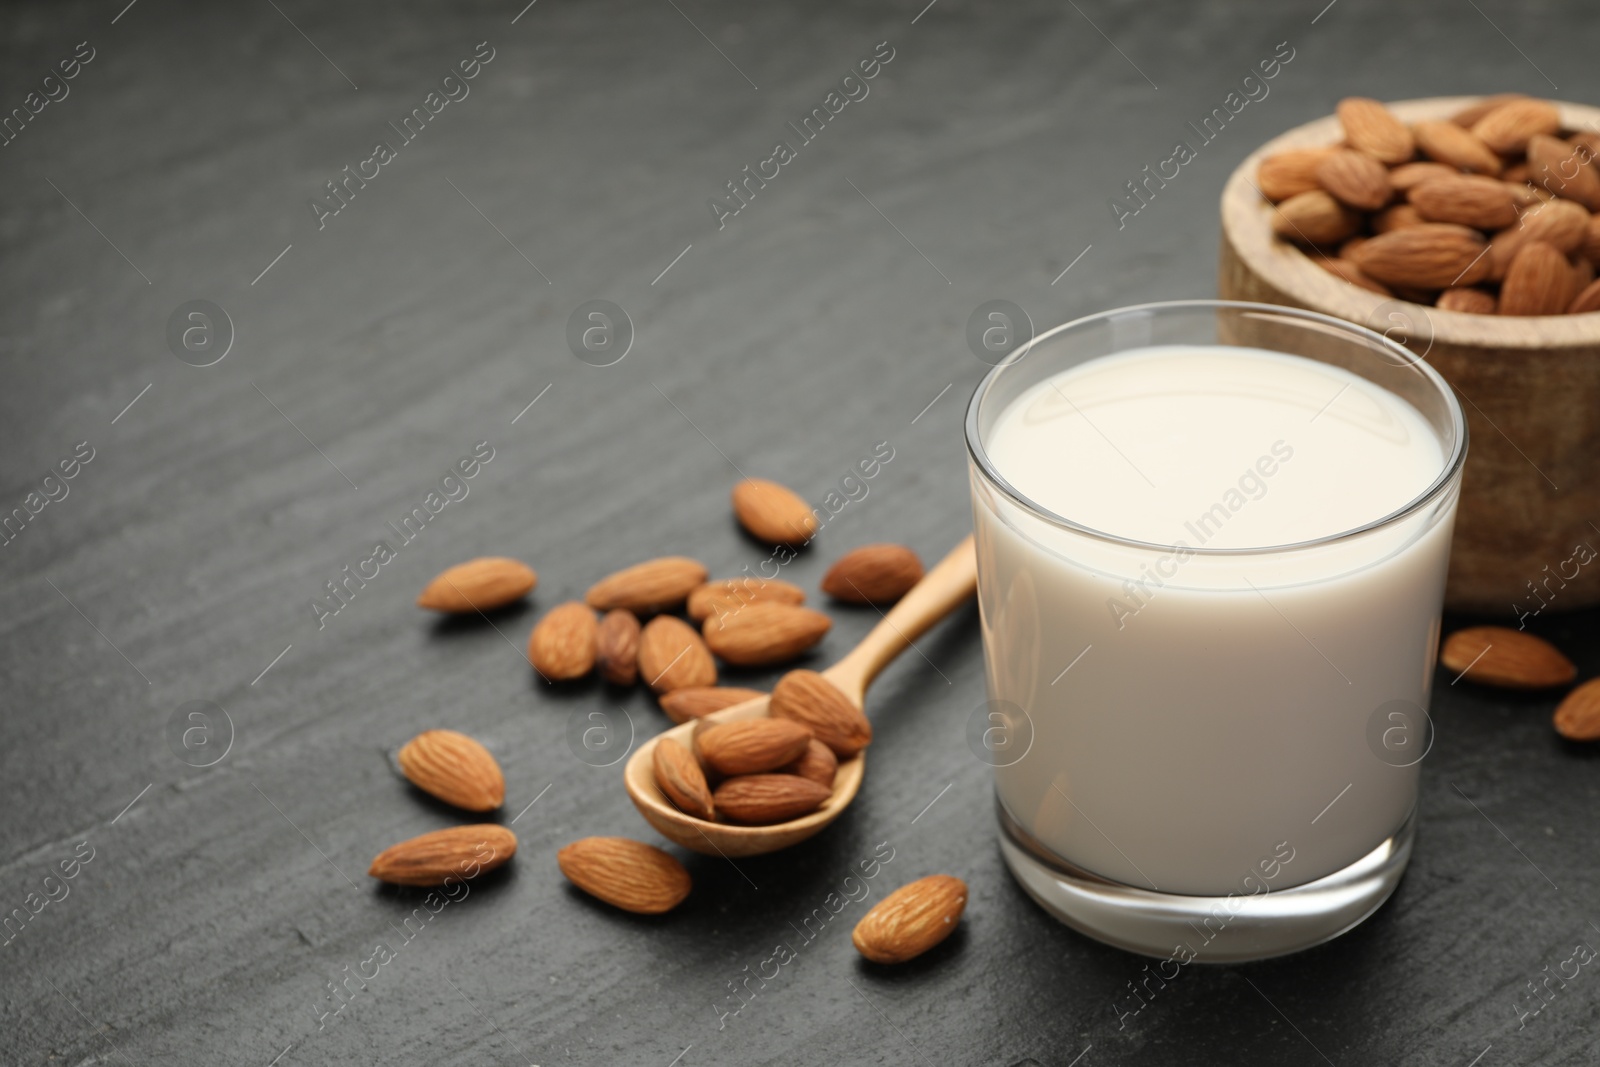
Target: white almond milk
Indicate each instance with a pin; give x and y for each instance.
(1224, 699)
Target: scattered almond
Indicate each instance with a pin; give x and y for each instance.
(1500, 656)
(752, 746)
(763, 799)
(1356, 179)
(1434, 255)
(681, 779)
(644, 588)
(481, 584)
(1467, 199)
(1448, 143)
(456, 852)
(1539, 282)
(562, 645)
(626, 874)
(873, 574)
(817, 763)
(617, 647)
(809, 698)
(454, 768)
(765, 633)
(1314, 218)
(1372, 128)
(727, 595)
(672, 656)
(1578, 716)
(911, 920)
(773, 513)
(698, 701)
(1507, 128)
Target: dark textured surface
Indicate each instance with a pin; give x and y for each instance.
(215, 909)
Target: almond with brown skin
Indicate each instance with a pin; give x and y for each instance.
(1578, 715)
(773, 514)
(617, 647)
(1407, 175)
(1471, 301)
(765, 633)
(1539, 282)
(1314, 218)
(1473, 112)
(809, 698)
(1508, 128)
(1591, 240)
(1374, 129)
(626, 874)
(752, 746)
(672, 656)
(455, 853)
(562, 645)
(727, 595)
(1586, 301)
(763, 799)
(1555, 165)
(481, 584)
(454, 768)
(817, 763)
(1445, 142)
(911, 920)
(1347, 270)
(1434, 255)
(1561, 223)
(1356, 179)
(681, 779)
(1500, 656)
(654, 585)
(873, 574)
(698, 701)
(1467, 199)
(1397, 217)
(1289, 173)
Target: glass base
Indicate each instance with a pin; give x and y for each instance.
(1223, 929)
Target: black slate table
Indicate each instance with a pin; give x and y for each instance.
(352, 357)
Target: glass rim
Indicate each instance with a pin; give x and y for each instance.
(1448, 472)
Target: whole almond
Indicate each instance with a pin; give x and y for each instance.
(1347, 270)
(454, 768)
(1351, 245)
(1289, 173)
(911, 920)
(1374, 129)
(626, 874)
(773, 514)
(617, 647)
(810, 699)
(1408, 175)
(1555, 165)
(1445, 142)
(1516, 174)
(1397, 217)
(1467, 199)
(698, 701)
(1314, 218)
(1586, 301)
(765, 633)
(681, 779)
(672, 656)
(1471, 301)
(654, 585)
(562, 645)
(1523, 194)
(481, 584)
(1591, 240)
(727, 595)
(1473, 112)
(1577, 717)
(1561, 223)
(1434, 255)
(1508, 128)
(873, 574)
(817, 763)
(752, 746)
(1356, 179)
(763, 799)
(1500, 656)
(1539, 282)
(456, 852)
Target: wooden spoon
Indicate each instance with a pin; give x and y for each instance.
(931, 599)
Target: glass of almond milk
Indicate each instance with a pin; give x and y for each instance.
(1212, 543)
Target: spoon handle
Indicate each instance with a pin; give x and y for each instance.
(939, 592)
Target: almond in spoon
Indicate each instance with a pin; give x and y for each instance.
(810, 699)
(763, 799)
(681, 779)
(752, 746)
(818, 763)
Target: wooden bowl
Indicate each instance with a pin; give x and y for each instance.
(1530, 498)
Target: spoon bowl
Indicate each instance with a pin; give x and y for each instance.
(939, 592)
